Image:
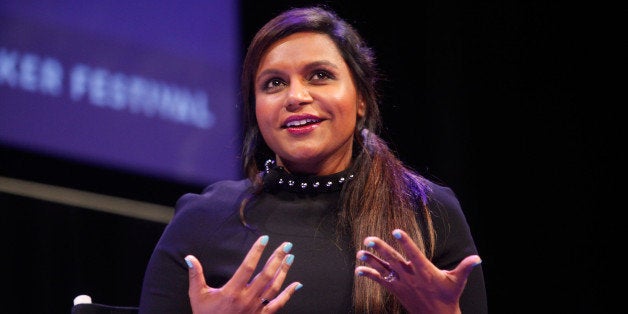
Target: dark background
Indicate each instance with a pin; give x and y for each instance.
(489, 98)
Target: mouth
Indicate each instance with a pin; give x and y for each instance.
(301, 123)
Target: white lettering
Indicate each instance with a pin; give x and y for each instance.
(78, 82)
(97, 81)
(8, 67)
(103, 88)
(28, 72)
(31, 73)
(140, 95)
(202, 117)
(118, 91)
(51, 77)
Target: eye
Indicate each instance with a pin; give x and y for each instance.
(273, 84)
(321, 75)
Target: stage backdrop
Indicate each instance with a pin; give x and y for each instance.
(149, 87)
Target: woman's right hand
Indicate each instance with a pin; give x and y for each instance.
(241, 294)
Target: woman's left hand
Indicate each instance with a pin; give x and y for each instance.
(420, 286)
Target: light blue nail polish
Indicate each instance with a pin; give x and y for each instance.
(360, 273)
(290, 259)
(287, 247)
(364, 257)
(190, 265)
(370, 244)
(264, 240)
(299, 286)
(397, 234)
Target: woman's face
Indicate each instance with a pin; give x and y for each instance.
(306, 104)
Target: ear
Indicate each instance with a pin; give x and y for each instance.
(361, 108)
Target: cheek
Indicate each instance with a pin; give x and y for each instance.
(351, 108)
(261, 115)
(265, 114)
(350, 101)
(268, 106)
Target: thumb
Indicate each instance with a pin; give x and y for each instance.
(197, 279)
(465, 267)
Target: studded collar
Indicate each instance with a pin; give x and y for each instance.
(277, 178)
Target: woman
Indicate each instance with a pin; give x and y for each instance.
(355, 231)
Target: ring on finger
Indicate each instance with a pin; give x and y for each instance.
(391, 276)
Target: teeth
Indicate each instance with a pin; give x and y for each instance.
(300, 122)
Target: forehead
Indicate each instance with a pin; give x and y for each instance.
(304, 46)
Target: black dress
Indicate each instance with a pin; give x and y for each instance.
(208, 226)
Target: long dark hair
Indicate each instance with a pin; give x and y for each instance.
(384, 193)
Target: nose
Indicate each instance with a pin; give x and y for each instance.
(298, 95)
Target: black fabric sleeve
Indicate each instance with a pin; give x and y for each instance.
(454, 242)
(192, 230)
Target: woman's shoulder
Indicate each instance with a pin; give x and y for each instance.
(198, 217)
(449, 220)
(227, 186)
(442, 202)
(219, 194)
(440, 193)
(431, 191)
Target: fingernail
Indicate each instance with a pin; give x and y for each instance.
(290, 259)
(189, 262)
(397, 234)
(477, 263)
(370, 244)
(360, 273)
(263, 240)
(364, 257)
(299, 286)
(287, 247)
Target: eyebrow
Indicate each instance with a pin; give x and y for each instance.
(308, 67)
(317, 64)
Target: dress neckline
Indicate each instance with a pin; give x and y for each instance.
(277, 178)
